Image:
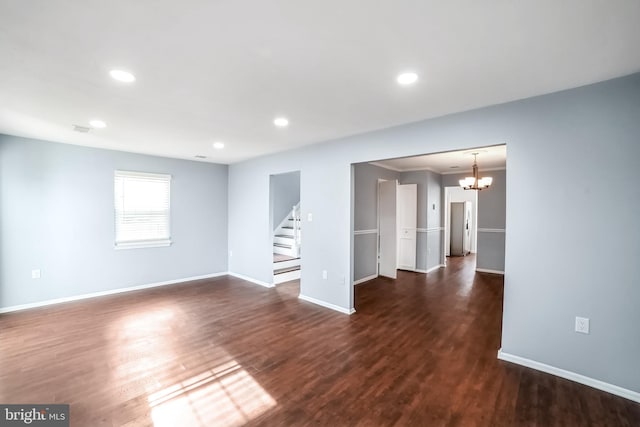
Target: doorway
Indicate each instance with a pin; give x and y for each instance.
(461, 206)
(397, 222)
(437, 177)
(285, 226)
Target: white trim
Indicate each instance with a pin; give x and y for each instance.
(251, 279)
(359, 232)
(365, 279)
(418, 169)
(429, 230)
(150, 175)
(143, 244)
(434, 268)
(326, 304)
(490, 230)
(459, 171)
(425, 168)
(109, 292)
(562, 373)
(486, 270)
(380, 165)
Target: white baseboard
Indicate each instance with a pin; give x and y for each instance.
(109, 292)
(486, 270)
(591, 382)
(326, 304)
(251, 279)
(365, 279)
(434, 268)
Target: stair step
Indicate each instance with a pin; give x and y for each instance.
(284, 236)
(283, 258)
(285, 270)
(286, 277)
(286, 227)
(287, 263)
(282, 245)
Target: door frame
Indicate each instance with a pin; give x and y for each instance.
(447, 223)
(400, 204)
(395, 252)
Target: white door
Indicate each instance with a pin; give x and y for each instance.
(407, 223)
(387, 263)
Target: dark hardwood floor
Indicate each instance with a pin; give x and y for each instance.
(420, 351)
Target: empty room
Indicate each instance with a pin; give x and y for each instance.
(283, 213)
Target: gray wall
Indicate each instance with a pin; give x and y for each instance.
(491, 219)
(365, 253)
(544, 288)
(366, 194)
(285, 194)
(56, 215)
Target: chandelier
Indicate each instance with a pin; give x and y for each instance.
(474, 182)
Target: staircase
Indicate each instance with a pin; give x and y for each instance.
(286, 248)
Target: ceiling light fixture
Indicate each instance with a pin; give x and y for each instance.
(97, 124)
(281, 122)
(474, 182)
(406, 79)
(122, 76)
(218, 145)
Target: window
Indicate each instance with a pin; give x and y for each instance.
(142, 209)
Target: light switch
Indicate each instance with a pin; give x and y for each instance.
(309, 217)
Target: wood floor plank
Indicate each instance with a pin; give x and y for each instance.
(420, 350)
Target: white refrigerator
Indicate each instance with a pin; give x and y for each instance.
(460, 228)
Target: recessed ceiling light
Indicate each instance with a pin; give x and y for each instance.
(97, 124)
(281, 122)
(218, 145)
(405, 79)
(122, 76)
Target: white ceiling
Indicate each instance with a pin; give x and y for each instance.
(222, 70)
(489, 158)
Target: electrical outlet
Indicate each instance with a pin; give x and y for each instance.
(582, 325)
(324, 274)
(35, 274)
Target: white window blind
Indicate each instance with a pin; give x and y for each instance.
(142, 207)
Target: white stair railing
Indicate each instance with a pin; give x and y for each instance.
(295, 214)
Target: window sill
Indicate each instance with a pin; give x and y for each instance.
(140, 245)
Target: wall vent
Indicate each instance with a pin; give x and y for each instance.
(81, 129)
